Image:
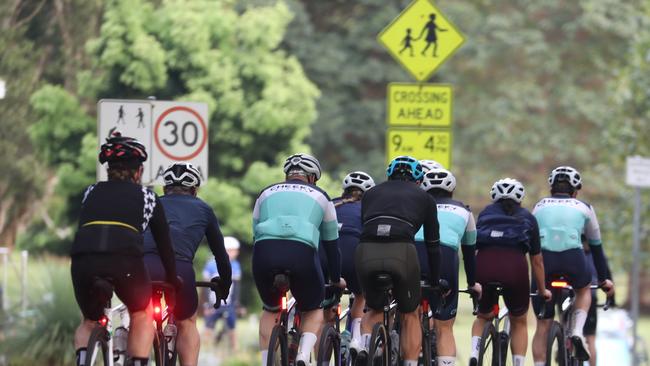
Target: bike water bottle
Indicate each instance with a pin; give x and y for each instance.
(170, 332)
(346, 338)
(394, 340)
(120, 340)
(293, 341)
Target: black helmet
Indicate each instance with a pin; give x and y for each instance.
(121, 149)
(182, 174)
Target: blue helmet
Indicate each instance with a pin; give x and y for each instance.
(405, 165)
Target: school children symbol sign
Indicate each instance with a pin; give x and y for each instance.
(421, 38)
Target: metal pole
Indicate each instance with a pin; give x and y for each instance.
(24, 255)
(5, 265)
(636, 249)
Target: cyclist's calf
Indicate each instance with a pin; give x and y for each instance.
(141, 333)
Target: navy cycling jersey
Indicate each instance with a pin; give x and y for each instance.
(495, 210)
(349, 217)
(190, 220)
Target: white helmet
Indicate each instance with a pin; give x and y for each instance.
(439, 178)
(507, 188)
(566, 173)
(358, 179)
(182, 174)
(303, 161)
(230, 242)
(430, 164)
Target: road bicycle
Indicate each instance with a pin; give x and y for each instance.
(329, 347)
(560, 349)
(285, 336)
(106, 346)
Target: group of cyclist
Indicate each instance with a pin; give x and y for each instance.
(409, 227)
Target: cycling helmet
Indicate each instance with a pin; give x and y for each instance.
(121, 149)
(230, 242)
(305, 162)
(565, 173)
(358, 179)
(405, 165)
(507, 188)
(182, 174)
(430, 164)
(439, 178)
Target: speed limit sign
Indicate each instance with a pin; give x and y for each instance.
(171, 132)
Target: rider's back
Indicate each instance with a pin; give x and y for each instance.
(561, 222)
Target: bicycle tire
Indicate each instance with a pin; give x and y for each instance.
(504, 343)
(379, 353)
(160, 349)
(329, 347)
(488, 347)
(100, 336)
(278, 352)
(555, 346)
(428, 337)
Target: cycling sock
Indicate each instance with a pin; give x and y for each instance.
(265, 355)
(518, 360)
(365, 341)
(579, 318)
(139, 361)
(356, 329)
(540, 363)
(307, 343)
(410, 362)
(81, 356)
(475, 342)
(446, 361)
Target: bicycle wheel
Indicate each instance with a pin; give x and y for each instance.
(428, 341)
(555, 347)
(379, 354)
(160, 349)
(97, 343)
(278, 355)
(329, 347)
(488, 354)
(504, 340)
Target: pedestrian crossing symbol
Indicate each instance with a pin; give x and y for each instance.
(421, 38)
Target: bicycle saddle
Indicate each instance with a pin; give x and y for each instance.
(383, 281)
(281, 281)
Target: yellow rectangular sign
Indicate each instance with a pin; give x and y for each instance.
(420, 143)
(419, 105)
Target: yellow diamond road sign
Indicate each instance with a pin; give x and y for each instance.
(421, 38)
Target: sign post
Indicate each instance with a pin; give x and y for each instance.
(170, 131)
(638, 176)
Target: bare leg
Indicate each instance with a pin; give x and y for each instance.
(141, 333)
(518, 334)
(188, 341)
(267, 322)
(369, 320)
(411, 337)
(82, 333)
(591, 340)
(446, 341)
(539, 339)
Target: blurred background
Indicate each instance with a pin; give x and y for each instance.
(537, 84)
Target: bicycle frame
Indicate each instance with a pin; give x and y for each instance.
(106, 322)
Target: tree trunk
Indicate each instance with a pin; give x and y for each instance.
(644, 291)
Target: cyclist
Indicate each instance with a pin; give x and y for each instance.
(290, 219)
(108, 244)
(505, 233)
(430, 164)
(457, 228)
(562, 218)
(392, 212)
(190, 220)
(348, 213)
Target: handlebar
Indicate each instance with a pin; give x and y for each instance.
(474, 296)
(213, 285)
(609, 302)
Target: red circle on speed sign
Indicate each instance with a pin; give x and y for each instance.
(201, 122)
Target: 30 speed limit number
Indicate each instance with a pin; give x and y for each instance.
(421, 144)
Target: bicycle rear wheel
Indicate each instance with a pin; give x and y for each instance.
(329, 348)
(488, 354)
(97, 349)
(278, 355)
(428, 341)
(555, 347)
(379, 354)
(160, 349)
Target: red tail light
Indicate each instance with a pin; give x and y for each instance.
(338, 310)
(559, 284)
(495, 310)
(103, 321)
(425, 305)
(156, 309)
(284, 303)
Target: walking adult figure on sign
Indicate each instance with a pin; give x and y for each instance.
(120, 115)
(140, 116)
(432, 35)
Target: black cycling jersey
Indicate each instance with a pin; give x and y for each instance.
(113, 217)
(394, 211)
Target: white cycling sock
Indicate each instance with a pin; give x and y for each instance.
(579, 318)
(365, 341)
(410, 362)
(518, 360)
(81, 356)
(265, 355)
(540, 363)
(356, 329)
(475, 344)
(446, 361)
(307, 342)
